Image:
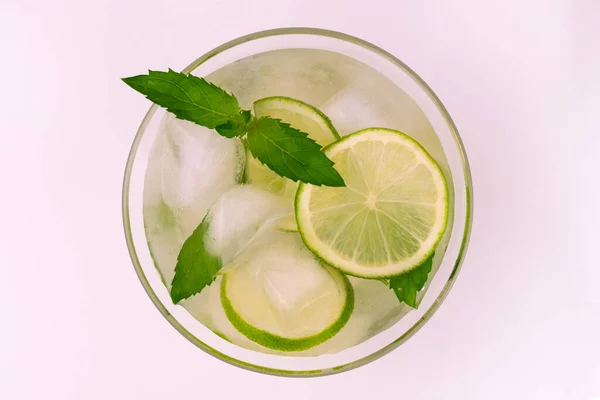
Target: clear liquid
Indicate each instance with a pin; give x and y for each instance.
(190, 168)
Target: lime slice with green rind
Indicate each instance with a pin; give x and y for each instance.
(282, 297)
(391, 214)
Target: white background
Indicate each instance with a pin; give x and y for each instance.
(521, 80)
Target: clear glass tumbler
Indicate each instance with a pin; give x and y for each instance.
(441, 140)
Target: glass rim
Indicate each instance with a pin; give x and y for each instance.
(390, 346)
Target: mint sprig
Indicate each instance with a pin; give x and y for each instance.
(407, 285)
(196, 267)
(287, 151)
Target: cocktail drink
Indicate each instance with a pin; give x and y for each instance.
(297, 202)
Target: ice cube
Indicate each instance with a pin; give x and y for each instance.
(238, 215)
(309, 75)
(291, 283)
(371, 100)
(198, 165)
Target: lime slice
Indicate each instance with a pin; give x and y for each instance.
(390, 216)
(283, 298)
(301, 116)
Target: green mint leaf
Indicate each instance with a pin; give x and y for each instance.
(188, 97)
(235, 127)
(196, 267)
(291, 153)
(408, 284)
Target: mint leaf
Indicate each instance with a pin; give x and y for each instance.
(192, 99)
(196, 268)
(408, 284)
(291, 153)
